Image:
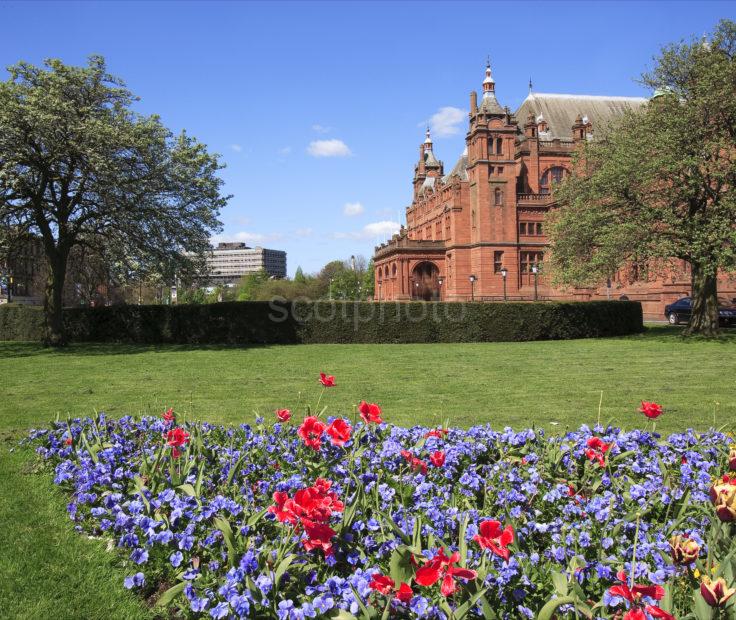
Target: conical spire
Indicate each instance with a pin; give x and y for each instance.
(489, 104)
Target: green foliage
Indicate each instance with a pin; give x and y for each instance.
(299, 276)
(79, 168)
(278, 322)
(658, 185)
(249, 285)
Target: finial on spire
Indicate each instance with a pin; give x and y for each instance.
(428, 139)
(530, 85)
(488, 84)
(488, 61)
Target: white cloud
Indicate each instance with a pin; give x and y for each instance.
(236, 147)
(352, 209)
(328, 148)
(321, 128)
(303, 232)
(285, 151)
(375, 230)
(446, 121)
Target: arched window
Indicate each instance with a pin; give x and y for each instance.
(380, 274)
(555, 174)
(498, 197)
(499, 146)
(393, 270)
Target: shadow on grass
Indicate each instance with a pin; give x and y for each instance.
(652, 333)
(32, 349)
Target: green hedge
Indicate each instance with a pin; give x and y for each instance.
(332, 322)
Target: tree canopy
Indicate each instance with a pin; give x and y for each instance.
(659, 184)
(80, 168)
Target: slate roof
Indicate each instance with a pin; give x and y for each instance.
(560, 111)
(460, 169)
(489, 104)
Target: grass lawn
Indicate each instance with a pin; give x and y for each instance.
(515, 384)
(47, 570)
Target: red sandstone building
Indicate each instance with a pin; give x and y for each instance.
(477, 232)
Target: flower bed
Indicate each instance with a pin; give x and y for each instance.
(356, 518)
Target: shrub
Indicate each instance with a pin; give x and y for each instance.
(280, 322)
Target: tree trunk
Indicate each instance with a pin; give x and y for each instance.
(704, 317)
(53, 303)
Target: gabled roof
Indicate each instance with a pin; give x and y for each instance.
(560, 111)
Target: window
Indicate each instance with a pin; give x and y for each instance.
(499, 146)
(497, 261)
(528, 259)
(498, 197)
(533, 229)
(555, 174)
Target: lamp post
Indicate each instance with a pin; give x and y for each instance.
(472, 279)
(504, 273)
(440, 280)
(379, 291)
(330, 294)
(535, 271)
(416, 290)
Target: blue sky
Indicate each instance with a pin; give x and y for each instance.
(318, 109)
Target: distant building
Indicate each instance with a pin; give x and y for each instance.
(228, 262)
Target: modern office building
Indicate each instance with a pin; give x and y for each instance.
(228, 262)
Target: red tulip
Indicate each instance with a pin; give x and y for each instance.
(651, 410)
(415, 463)
(404, 593)
(437, 458)
(68, 441)
(319, 536)
(723, 496)
(437, 432)
(326, 380)
(597, 449)
(382, 584)
(494, 538)
(442, 567)
(169, 415)
(283, 415)
(370, 412)
(339, 432)
(177, 437)
(311, 432)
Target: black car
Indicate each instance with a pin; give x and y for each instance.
(679, 311)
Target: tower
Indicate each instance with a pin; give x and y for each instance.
(492, 179)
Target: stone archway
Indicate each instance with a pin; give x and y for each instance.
(424, 282)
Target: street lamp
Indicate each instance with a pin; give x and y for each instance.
(535, 271)
(504, 273)
(330, 294)
(440, 280)
(472, 279)
(416, 290)
(379, 291)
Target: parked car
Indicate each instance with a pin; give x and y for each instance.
(679, 311)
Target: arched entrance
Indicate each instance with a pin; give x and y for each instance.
(424, 282)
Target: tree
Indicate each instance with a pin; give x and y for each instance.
(299, 276)
(659, 185)
(249, 284)
(79, 168)
(369, 280)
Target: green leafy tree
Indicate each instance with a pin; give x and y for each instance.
(299, 276)
(249, 285)
(659, 185)
(78, 167)
(369, 280)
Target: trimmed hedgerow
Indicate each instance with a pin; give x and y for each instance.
(280, 322)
